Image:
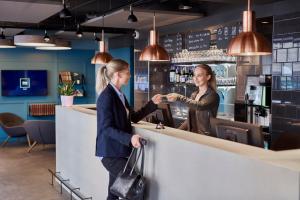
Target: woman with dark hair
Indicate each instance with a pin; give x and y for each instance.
(203, 103)
(114, 115)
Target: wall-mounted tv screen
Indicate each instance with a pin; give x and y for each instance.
(24, 82)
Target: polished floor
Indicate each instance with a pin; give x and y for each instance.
(25, 176)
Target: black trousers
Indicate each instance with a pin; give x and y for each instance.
(113, 166)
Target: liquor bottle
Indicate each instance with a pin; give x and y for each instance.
(182, 75)
(177, 75)
(172, 74)
(186, 75)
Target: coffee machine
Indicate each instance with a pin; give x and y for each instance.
(256, 107)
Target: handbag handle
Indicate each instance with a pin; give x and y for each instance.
(143, 143)
(136, 160)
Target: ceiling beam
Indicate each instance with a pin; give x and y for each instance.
(34, 26)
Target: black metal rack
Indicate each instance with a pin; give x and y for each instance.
(66, 183)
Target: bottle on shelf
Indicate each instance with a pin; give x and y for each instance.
(172, 74)
(177, 75)
(191, 74)
(182, 75)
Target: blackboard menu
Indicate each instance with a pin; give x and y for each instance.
(173, 43)
(296, 37)
(277, 42)
(287, 41)
(226, 33)
(196, 41)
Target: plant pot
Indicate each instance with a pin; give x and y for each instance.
(66, 100)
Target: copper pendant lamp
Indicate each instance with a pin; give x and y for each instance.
(249, 42)
(101, 57)
(154, 52)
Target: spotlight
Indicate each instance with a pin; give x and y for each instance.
(2, 36)
(185, 5)
(46, 37)
(65, 13)
(131, 18)
(78, 32)
(96, 38)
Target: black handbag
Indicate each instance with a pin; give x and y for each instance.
(130, 183)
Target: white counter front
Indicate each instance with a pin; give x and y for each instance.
(179, 165)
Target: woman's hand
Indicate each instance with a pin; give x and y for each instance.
(172, 97)
(135, 141)
(157, 98)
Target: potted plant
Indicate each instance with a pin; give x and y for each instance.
(67, 92)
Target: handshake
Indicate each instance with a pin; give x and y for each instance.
(158, 98)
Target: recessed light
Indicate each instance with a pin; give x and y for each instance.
(265, 22)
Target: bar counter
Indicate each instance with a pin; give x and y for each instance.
(179, 165)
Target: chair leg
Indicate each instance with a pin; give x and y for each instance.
(31, 147)
(28, 140)
(5, 141)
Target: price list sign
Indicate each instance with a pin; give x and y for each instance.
(196, 41)
(173, 43)
(226, 33)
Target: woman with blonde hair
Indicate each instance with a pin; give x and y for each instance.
(203, 103)
(114, 115)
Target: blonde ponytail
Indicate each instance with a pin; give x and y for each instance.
(105, 73)
(101, 80)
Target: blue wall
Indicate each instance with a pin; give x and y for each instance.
(126, 54)
(53, 62)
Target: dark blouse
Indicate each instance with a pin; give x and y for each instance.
(200, 111)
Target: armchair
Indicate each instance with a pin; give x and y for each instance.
(12, 126)
(40, 131)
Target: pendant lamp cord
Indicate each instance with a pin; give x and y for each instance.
(154, 22)
(249, 5)
(103, 28)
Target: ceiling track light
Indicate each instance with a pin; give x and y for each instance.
(46, 37)
(5, 43)
(2, 36)
(79, 33)
(65, 12)
(154, 52)
(96, 38)
(131, 18)
(249, 42)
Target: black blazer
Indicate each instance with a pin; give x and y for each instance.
(114, 130)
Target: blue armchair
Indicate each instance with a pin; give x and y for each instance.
(13, 126)
(40, 132)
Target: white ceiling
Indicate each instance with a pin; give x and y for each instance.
(26, 12)
(145, 19)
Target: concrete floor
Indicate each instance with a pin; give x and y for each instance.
(25, 176)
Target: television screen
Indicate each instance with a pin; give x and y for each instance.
(24, 82)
